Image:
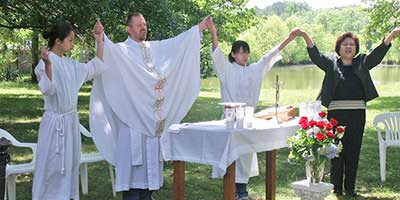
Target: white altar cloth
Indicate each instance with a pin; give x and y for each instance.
(211, 143)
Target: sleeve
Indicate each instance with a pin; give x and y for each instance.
(46, 86)
(269, 59)
(318, 59)
(168, 54)
(87, 71)
(220, 62)
(376, 56)
(180, 40)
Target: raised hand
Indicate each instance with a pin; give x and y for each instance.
(203, 24)
(98, 31)
(45, 55)
(47, 63)
(394, 32)
(211, 25)
(295, 32)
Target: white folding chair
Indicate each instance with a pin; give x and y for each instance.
(12, 170)
(90, 158)
(391, 122)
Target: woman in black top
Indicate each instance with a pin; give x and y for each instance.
(346, 88)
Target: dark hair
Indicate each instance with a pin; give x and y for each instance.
(129, 17)
(58, 31)
(236, 46)
(342, 37)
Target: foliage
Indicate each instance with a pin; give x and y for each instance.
(384, 17)
(323, 25)
(285, 9)
(21, 106)
(9, 74)
(165, 18)
(316, 139)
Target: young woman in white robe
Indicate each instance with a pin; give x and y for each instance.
(242, 82)
(59, 142)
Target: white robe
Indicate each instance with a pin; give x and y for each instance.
(59, 141)
(151, 86)
(242, 84)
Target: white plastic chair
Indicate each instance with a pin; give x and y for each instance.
(12, 170)
(90, 158)
(391, 122)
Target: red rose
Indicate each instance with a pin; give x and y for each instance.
(322, 114)
(340, 129)
(320, 136)
(329, 126)
(330, 134)
(321, 124)
(304, 125)
(312, 123)
(333, 121)
(303, 119)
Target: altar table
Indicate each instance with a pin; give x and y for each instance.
(211, 143)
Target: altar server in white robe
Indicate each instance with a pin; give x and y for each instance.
(152, 84)
(59, 141)
(241, 82)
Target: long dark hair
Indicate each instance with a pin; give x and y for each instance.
(58, 31)
(236, 46)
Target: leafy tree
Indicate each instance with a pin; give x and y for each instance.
(385, 15)
(285, 9)
(264, 36)
(165, 18)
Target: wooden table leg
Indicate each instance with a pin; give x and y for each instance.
(179, 180)
(270, 174)
(229, 183)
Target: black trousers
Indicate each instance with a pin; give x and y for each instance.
(345, 166)
(137, 194)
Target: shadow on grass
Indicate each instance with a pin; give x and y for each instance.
(204, 109)
(361, 197)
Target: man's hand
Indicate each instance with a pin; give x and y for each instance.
(98, 31)
(204, 24)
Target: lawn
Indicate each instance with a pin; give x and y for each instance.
(21, 107)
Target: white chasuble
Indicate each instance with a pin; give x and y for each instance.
(151, 85)
(242, 84)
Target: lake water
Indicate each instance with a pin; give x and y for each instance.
(310, 76)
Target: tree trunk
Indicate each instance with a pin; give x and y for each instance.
(35, 54)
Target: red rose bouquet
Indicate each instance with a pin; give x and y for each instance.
(316, 142)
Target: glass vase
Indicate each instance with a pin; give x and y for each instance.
(315, 170)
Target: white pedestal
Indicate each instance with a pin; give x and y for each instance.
(308, 191)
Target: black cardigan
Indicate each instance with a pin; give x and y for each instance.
(361, 66)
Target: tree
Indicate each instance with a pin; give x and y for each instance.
(385, 16)
(285, 9)
(230, 17)
(165, 18)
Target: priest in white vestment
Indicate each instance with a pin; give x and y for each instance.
(241, 82)
(152, 84)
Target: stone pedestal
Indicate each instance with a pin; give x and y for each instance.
(307, 191)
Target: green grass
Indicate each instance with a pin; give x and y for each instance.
(21, 107)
